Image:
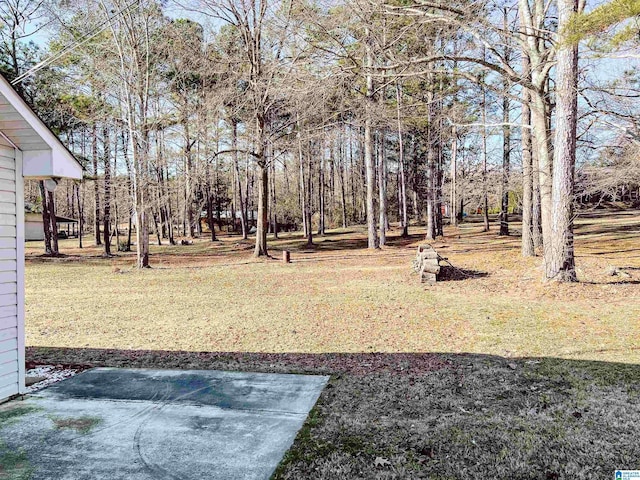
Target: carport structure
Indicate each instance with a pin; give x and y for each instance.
(28, 149)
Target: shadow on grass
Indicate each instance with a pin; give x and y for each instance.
(601, 228)
(331, 363)
(449, 273)
(328, 244)
(430, 415)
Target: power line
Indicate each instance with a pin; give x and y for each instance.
(89, 36)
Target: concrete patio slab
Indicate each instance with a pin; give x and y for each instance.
(109, 423)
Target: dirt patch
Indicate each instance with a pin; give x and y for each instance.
(81, 425)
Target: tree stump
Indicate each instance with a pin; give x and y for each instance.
(286, 256)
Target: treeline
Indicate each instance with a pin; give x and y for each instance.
(273, 115)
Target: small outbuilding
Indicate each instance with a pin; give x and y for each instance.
(28, 149)
(34, 227)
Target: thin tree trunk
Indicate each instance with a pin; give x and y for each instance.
(263, 190)
(51, 204)
(536, 214)
(352, 170)
(382, 188)
(453, 204)
(403, 183)
(439, 179)
(542, 155)
(506, 161)
(485, 194)
(96, 191)
(189, 177)
(236, 167)
(106, 218)
(156, 228)
(273, 198)
(115, 191)
(341, 168)
(431, 169)
(506, 140)
(80, 213)
(46, 222)
(321, 194)
(210, 219)
(309, 190)
(130, 175)
(372, 239)
(303, 189)
(528, 249)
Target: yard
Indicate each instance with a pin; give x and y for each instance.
(489, 374)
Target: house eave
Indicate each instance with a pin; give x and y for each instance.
(44, 154)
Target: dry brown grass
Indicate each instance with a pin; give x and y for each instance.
(340, 297)
(391, 416)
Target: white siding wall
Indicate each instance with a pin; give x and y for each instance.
(11, 324)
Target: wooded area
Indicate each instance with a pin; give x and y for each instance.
(265, 115)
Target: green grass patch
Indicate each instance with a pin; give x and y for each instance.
(14, 465)
(13, 413)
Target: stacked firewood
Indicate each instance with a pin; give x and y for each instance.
(427, 264)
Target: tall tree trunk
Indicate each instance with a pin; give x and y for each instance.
(106, 218)
(372, 234)
(210, 219)
(139, 190)
(303, 190)
(115, 191)
(453, 204)
(506, 164)
(130, 174)
(528, 248)
(236, 168)
(403, 182)
(309, 189)
(341, 168)
(431, 168)
(189, 180)
(559, 257)
(263, 189)
(439, 180)
(485, 194)
(382, 188)
(156, 225)
(506, 138)
(536, 213)
(321, 192)
(272, 196)
(96, 190)
(542, 155)
(353, 169)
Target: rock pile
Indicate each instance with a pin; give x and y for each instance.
(427, 264)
